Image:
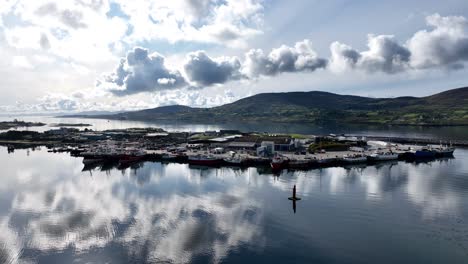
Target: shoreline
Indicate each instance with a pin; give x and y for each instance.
(194, 122)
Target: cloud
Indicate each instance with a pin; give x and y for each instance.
(300, 58)
(21, 62)
(142, 72)
(71, 18)
(445, 45)
(44, 42)
(343, 57)
(203, 70)
(227, 22)
(385, 54)
(199, 8)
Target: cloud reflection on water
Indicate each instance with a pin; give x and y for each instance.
(175, 213)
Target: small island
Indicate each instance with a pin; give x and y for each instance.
(16, 123)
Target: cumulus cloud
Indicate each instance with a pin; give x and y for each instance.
(445, 45)
(142, 72)
(299, 58)
(203, 70)
(385, 54)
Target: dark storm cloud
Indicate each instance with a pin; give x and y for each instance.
(206, 71)
(143, 72)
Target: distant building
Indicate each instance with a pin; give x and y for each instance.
(210, 133)
(235, 145)
(267, 148)
(280, 143)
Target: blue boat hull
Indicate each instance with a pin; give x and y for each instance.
(424, 154)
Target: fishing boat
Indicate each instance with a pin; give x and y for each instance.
(326, 161)
(382, 156)
(357, 158)
(205, 160)
(131, 156)
(278, 162)
(169, 156)
(424, 153)
(443, 151)
(299, 164)
(90, 161)
(234, 160)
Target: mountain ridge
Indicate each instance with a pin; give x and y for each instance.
(446, 108)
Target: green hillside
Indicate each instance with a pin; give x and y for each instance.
(446, 108)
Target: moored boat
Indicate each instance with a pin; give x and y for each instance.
(278, 162)
(205, 160)
(357, 158)
(234, 161)
(129, 159)
(382, 156)
(443, 151)
(300, 164)
(90, 161)
(169, 156)
(424, 153)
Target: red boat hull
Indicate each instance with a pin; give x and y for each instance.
(278, 166)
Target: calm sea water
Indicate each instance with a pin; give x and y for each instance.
(53, 212)
(448, 133)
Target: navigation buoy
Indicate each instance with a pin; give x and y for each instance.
(294, 197)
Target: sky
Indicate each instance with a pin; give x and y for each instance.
(112, 55)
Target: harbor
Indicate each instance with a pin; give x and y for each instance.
(125, 148)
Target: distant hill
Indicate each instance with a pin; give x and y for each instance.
(446, 108)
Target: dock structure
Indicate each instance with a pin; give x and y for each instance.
(298, 152)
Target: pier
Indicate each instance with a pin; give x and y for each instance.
(123, 148)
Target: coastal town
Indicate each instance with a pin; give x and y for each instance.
(123, 148)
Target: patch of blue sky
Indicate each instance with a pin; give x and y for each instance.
(116, 11)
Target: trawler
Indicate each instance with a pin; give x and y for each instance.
(382, 156)
(207, 160)
(357, 158)
(234, 160)
(278, 162)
